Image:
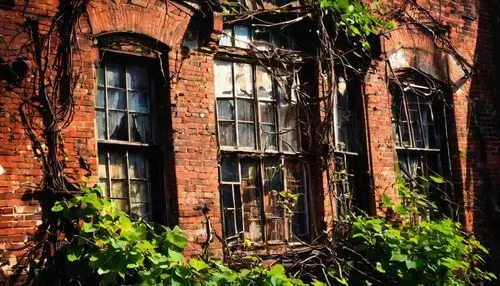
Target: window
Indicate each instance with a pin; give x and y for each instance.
(416, 132)
(258, 137)
(349, 160)
(254, 110)
(261, 38)
(252, 203)
(124, 132)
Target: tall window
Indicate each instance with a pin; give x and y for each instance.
(123, 119)
(416, 133)
(259, 163)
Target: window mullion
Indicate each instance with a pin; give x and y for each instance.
(127, 172)
(235, 100)
(277, 129)
(127, 104)
(106, 103)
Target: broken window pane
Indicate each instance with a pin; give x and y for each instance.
(251, 200)
(115, 75)
(223, 75)
(229, 223)
(227, 196)
(261, 40)
(140, 128)
(264, 83)
(225, 109)
(226, 37)
(137, 77)
(118, 126)
(243, 80)
(241, 36)
(268, 137)
(414, 112)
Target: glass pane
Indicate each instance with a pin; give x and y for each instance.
(115, 75)
(223, 75)
(227, 134)
(118, 125)
(245, 110)
(100, 76)
(229, 170)
(102, 170)
(267, 112)
(121, 205)
(227, 196)
(246, 134)
(100, 98)
(139, 192)
(101, 124)
(117, 165)
(288, 128)
(225, 38)
(140, 211)
(264, 83)
(116, 99)
(118, 189)
(137, 166)
(239, 220)
(229, 224)
(140, 128)
(137, 77)
(138, 101)
(241, 36)
(261, 39)
(243, 79)
(299, 224)
(249, 183)
(225, 109)
(268, 137)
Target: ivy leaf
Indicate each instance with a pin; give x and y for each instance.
(379, 267)
(437, 180)
(410, 264)
(58, 206)
(198, 264)
(386, 200)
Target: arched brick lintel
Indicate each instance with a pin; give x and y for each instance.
(164, 21)
(411, 48)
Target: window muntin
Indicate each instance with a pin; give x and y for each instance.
(255, 111)
(250, 198)
(416, 136)
(123, 119)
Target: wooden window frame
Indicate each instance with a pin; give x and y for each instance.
(147, 148)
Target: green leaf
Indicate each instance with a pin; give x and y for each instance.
(58, 206)
(410, 264)
(437, 180)
(198, 264)
(379, 267)
(386, 200)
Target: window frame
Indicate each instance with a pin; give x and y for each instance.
(146, 149)
(264, 215)
(256, 100)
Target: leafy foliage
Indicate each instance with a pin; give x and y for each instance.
(112, 249)
(355, 19)
(398, 252)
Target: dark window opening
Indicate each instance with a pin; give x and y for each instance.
(127, 143)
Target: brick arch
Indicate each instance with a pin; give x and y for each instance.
(164, 21)
(411, 48)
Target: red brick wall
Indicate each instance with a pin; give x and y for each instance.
(194, 178)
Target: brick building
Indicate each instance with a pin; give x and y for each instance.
(179, 110)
